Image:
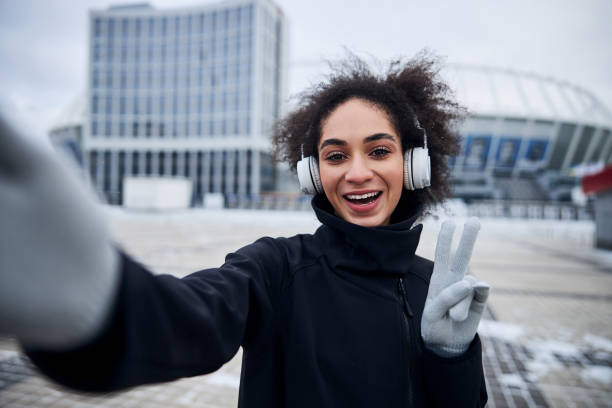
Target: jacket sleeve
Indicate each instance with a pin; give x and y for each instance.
(456, 381)
(163, 328)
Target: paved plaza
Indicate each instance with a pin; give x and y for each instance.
(547, 335)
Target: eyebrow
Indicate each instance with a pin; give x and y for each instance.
(371, 138)
(334, 142)
(378, 136)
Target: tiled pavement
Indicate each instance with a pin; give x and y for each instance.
(547, 337)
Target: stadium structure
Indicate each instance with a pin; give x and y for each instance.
(527, 137)
(193, 93)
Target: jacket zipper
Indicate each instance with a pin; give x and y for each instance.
(407, 314)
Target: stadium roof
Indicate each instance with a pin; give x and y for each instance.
(508, 93)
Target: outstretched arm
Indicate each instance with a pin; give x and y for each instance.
(89, 316)
(58, 268)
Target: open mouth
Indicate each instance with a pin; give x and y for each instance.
(363, 199)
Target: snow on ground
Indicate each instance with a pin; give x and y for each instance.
(223, 379)
(598, 343)
(597, 375)
(548, 355)
(545, 356)
(580, 232)
(512, 380)
(223, 216)
(508, 332)
(6, 354)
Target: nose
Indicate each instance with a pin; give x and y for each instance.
(358, 172)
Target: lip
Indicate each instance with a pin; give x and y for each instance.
(362, 208)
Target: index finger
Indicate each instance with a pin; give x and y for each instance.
(439, 279)
(466, 246)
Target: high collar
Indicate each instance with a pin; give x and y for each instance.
(383, 250)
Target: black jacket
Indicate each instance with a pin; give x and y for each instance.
(325, 320)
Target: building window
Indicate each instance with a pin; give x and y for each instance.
(93, 164)
(97, 27)
(94, 104)
(109, 78)
(97, 51)
(108, 108)
(124, 52)
(95, 79)
(162, 104)
(202, 19)
(151, 27)
(111, 29)
(109, 51)
(135, 159)
(148, 159)
(174, 163)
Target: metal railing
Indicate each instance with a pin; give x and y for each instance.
(543, 210)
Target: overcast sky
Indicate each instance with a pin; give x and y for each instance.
(43, 44)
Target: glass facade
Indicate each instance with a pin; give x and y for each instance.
(186, 78)
(173, 71)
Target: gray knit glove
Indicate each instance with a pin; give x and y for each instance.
(455, 302)
(58, 268)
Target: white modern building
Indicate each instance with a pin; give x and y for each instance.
(187, 92)
(527, 137)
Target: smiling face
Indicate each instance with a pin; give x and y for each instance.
(361, 163)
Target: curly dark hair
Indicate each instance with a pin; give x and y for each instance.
(406, 91)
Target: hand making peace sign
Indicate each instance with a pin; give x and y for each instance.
(455, 302)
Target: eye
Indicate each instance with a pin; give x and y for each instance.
(335, 157)
(380, 152)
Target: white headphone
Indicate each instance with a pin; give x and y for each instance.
(417, 169)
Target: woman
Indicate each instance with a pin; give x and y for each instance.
(348, 316)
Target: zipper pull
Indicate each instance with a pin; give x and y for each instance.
(407, 308)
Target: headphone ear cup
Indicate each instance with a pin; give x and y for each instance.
(316, 178)
(417, 168)
(308, 176)
(408, 170)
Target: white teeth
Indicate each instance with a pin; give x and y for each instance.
(360, 196)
